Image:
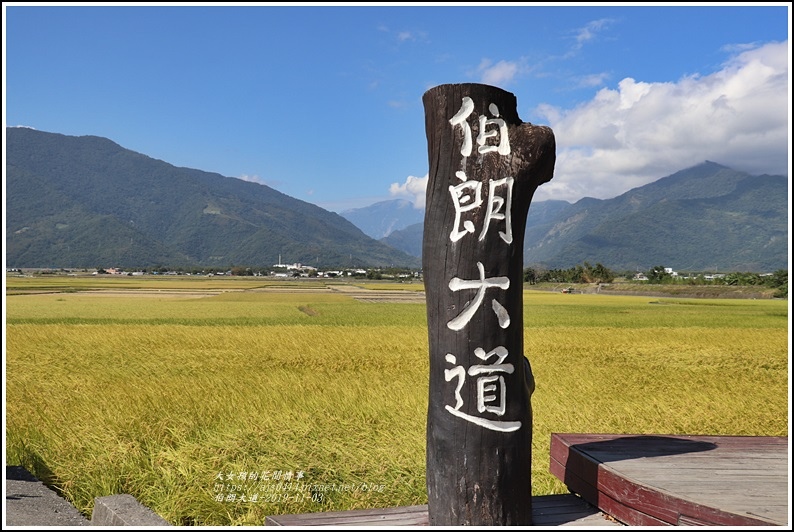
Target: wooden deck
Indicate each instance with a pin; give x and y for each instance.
(636, 480)
(547, 510)
(652, 480)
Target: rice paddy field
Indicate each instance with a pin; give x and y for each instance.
(221, 401)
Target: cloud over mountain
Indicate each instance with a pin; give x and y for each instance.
(628, 136)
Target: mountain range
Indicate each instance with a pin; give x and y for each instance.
(704, 218)
(86, 202)
(381, 219)
(74, 202)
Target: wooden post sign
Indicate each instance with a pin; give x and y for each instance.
(485, 165)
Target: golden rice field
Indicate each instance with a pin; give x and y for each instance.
(204, 397)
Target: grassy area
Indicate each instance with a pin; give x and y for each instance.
(181, 401)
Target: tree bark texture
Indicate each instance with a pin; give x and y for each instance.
(485, 165)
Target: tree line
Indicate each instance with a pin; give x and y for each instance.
(586, 273)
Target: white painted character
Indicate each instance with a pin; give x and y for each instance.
(481, 285)
(466, 196)
(491, 389)
(495, 205)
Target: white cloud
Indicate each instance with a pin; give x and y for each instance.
(587, 33)
(405, 35)
(639, 132)
(252, 179)
(256, 179)
(592, 80)
(590, 31)
(413, 189)
(497, 74)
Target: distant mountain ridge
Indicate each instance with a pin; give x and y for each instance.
(705, 218)
(381, 219)
(88, 202)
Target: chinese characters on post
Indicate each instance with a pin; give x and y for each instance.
(498, 208)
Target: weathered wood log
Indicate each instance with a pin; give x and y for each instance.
(485, 165)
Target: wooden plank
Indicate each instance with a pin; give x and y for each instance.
(634, 480)
(547, 510)
(713, 469)
(397, 516)
(567, 510)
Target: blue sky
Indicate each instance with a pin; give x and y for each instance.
(324, 102)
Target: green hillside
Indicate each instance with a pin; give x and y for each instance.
(708, 217)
